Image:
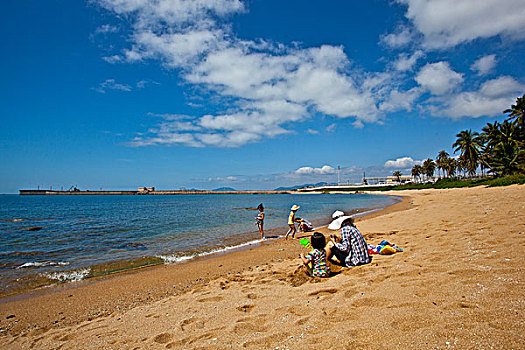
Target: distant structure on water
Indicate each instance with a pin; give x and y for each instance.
(140, 191)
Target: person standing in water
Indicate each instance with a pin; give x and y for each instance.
(259, 219)
(291, 221)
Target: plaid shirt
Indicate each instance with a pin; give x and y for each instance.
(354, 244)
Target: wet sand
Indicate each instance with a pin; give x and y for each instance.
(458, 284)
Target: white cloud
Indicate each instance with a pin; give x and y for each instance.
(326, 169)
(402, 37)
(143, 83)
(484, 65)
(264, 89)
(111, 84)
(401, 163)
(405, 61)
(446, 23)
(358, 124)
(312, 131)
(112, 59)
(331, 127)
(438, 78)
(106, 28)
(400, 100)
(490, 100)
(175, 13)
(263, 86)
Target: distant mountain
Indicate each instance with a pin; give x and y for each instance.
(300, 186)
(224, 189)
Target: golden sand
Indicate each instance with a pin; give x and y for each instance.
(458, 284)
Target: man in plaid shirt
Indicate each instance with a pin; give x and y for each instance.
(353, 249)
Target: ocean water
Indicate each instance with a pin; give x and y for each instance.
(85, 236)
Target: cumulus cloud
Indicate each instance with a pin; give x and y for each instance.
(438, 78)
(401, 38)
(446, 23)
(484, 65)
(263, 89)
(489, 100)
(400, 100)
(324, 170)
(401, 163)
(263, 86)
(405, 61)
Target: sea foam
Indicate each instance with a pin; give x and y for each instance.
(177, 258)
(69, 276)
(43, 264)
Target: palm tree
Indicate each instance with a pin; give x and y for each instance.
(450, 166)
(462, 166)
(416, 171)
(441, 161)
(516, 112)
(490, 136)
(469, 144)
(507, 157)
(429, 167)
(397, 175)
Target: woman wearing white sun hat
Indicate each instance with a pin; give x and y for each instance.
(353, 249)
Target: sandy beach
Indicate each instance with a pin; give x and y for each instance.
(458, 284)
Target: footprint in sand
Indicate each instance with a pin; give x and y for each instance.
(350, 293)
(373, 301)
(193, 322)
(245, 328)
(245, 308)
(267, 342)
(326, 291)
(302, 321)
(297, 310)
(212, 299)
(162, 338)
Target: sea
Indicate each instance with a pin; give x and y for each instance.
(47, 240)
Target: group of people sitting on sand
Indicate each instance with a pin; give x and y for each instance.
(349, 247)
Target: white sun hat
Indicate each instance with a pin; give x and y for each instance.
(338, 218)
(295, 207)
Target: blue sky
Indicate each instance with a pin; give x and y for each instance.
(116, 94)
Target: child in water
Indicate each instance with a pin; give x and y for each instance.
(291, 221)
(259, 220)
(317, 257)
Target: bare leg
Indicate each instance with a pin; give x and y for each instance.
(292, 228)
(329, 251)
(261, 230)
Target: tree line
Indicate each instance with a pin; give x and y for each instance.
(499, 150)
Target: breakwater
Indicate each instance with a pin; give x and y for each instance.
(141, 193)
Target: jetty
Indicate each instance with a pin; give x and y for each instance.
(140, 192)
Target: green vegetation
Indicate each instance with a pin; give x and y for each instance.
(446, 183)
(499, 149)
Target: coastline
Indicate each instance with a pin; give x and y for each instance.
(182, 273)
(455, 284)
(34, 279)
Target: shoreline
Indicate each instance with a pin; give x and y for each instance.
(239, 258)
(39, 280)
(459, 283)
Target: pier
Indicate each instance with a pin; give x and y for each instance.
(140, 192)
